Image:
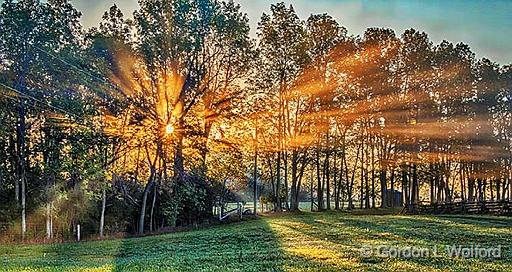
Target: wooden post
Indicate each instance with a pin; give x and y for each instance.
(78, 232)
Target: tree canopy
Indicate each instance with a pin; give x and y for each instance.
(142, 124)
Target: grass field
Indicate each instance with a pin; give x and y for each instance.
(296, 242)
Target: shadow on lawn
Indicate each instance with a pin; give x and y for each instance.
(300, 242)
(59, 257)
(421, 231)
(246, 246)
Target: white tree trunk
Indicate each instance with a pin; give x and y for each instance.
(23, 209)
(151, 219)
(143, 208)
(103, 206)
(48, 221)
(51, 222)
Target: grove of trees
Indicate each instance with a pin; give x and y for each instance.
(144, 124)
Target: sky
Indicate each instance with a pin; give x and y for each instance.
(486, 25)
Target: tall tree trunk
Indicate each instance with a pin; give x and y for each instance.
(471, 189)
(498, 189)
(415, 187)
(507, 185)
(484, 190)
(272, 176)
(438, 183)
(104, 193)
(151, 213)
(103, 208)
(361, 185)
(143, 206)
(462, 181)
(299, 181)
(480, 191)
(392, 187)
(13, 160)
(383, 186)
(446, 190)
(366, 186)
(294, 190)
(22, 166)
(431, 178)
(147, 189)
(49, 221)
(320, 193)
(311, 189)
(327, 181)
(17, 179)
(335, 182)
(350, 185)
(255, 174)
(405, 188)
(286, 195)
(50, 180)
(491, 183)
(278, 183)
(373, 173)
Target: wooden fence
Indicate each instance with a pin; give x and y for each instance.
(480, 207)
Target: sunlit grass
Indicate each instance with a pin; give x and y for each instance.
(300, 242)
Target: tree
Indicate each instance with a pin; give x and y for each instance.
(324, 36)
(186, 67)
(29, 31)
(377, 83)
(283, 51)
(114, 32)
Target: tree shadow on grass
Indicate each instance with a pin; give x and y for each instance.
(246, 246)
(299, 242)
(350, 233)
(60, 257)
(418, 229)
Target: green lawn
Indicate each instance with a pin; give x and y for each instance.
(296, 242)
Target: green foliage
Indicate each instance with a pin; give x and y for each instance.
(191, 203)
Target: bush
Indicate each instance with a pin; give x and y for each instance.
(189, 202)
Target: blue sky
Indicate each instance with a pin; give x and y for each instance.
(486, 25)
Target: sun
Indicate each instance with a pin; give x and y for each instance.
(169, 129)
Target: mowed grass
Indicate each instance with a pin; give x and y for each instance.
(328, 241)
